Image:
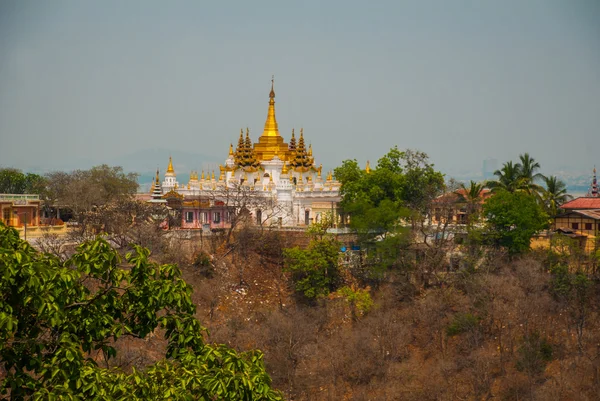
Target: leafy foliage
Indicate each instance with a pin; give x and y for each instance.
(513, 218)
(399, 189)
(58, 318)
(315, 270)
(14, 181)
(554, 195)
(462, 322)
(359, 299)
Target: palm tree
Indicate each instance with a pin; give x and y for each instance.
(554, 195)
(509, 178)
(530, 174)
(514, 177)
(472, 196)
(529, 168)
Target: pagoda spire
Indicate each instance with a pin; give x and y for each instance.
(271, 128)
(302, 161)
(594, 189)
(170, 169)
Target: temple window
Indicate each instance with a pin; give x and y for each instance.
(588, 226)
(575, 226)
(189, 217)
(217, 217)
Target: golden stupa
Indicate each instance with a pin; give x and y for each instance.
(270, 142)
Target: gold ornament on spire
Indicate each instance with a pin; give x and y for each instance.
(284, 169)
(270, 141)
(271, 128)
(368, 168)
(302, 161)
(170, 168)
(231, 149)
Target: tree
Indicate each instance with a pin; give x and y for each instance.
(82, 190)
(401, 188)
(554, 195)
(315, 270)
(60, 321)
(14, 181)
(513, 218)
(472, 196)
(521, 176)
(509, 178)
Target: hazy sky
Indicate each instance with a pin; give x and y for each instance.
(83, 82)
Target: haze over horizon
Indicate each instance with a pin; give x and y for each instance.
(83, 83)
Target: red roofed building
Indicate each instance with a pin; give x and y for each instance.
(581, 218)
(583, 203)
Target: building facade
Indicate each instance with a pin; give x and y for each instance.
(581, 218)
(277, 183)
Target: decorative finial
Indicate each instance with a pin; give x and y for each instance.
(170, 168)
(231, 149)
(284, 169)
(272, 94)
(368, 168)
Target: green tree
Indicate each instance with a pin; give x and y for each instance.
(509, 178)
(315, 270)
(513, 218)
(522, 176)
(14, 181)
(57, 317)
(400, 189)
(472, 196)
(554, 195)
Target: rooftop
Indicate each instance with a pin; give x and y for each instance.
(19, 197)
(582, 203)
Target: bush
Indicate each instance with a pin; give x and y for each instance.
(203, 265)
(462, 323)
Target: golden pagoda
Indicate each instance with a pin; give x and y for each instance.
(170, 169)
(270, 142)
